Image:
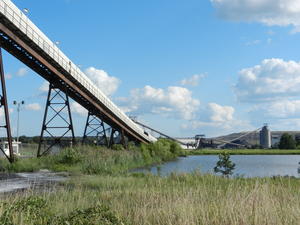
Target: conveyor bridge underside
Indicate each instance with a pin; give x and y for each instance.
(21, 38)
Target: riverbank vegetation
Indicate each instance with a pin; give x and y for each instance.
(98, 160)
(146, 199)
(101, 191)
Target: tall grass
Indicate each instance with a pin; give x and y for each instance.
(102, 192)
(98, 160)
(177, 199)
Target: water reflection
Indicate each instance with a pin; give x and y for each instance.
(246, 165)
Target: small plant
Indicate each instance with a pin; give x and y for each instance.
(94, 215)
(224, 166)
(69, 156)
(118, 147)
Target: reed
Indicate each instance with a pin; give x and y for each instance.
(177, 199)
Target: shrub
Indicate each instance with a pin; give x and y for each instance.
(287, 142)
(35, 210)
(224, 166)
(69, 156)
(118, 147)
(92, 216)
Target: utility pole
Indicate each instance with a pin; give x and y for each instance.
(18, 104)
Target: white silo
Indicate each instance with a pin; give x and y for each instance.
(265, 137)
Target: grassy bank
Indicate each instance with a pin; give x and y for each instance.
(244, 152)
(98, 160)
(177, 199)
(100, 191)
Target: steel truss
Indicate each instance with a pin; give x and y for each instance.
(117, 137)
(95, 131)
(55, 112)
(4, 106)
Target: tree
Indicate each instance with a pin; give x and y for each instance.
(224, 166)
(287, 142)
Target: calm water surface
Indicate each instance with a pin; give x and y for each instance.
(246, 165)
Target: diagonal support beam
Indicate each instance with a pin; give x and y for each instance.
(3, 105)
(95, 130)
(117, 137)
(55, 111)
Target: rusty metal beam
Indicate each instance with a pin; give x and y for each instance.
(3, 103)
(95, 128)
(58, 103)
(33, 57)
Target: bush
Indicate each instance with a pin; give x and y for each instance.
(287, 142)
(118, 147)
(224, 166)
(91, 216)
(69, 156)
(162, 150)
(35, 210)
(131, 146)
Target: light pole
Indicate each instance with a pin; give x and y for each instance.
(18, 104)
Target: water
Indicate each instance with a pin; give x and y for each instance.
(246, 165)
(23, 181)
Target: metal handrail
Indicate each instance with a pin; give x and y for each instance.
(20, 20)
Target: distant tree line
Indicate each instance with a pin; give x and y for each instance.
(36, 139)
(287, 141)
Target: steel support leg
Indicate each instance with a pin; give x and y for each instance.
(4, 105)
(57, 117)
(117, 137)
(95, 131)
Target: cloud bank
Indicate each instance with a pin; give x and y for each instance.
(267, 12)
(273, 79)
(172, 102)
(192, 81)
(107, 84)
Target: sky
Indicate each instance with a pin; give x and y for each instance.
(189, 67)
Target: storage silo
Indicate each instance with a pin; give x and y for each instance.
(265, 137)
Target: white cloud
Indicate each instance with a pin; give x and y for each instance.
(78, 109)
(44, 87)
(192, 81)
(217, 120)
(284, 108)
(255, 42)
(286, 124)
(278, 109)
(272, 79)
(33, 107)
(172, 102)
(22, 72)
(268, 12)
(107, 84)
(220, 113)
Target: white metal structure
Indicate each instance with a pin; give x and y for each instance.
(20, 20)
(15, 146)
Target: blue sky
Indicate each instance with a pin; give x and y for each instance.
(184, 67)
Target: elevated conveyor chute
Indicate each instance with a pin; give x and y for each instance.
(22, 39)
(158, 132)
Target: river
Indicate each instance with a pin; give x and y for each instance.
(246, 165)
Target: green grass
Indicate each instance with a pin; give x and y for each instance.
(146, 199)
(100, 191)
(244, 152)
(98, 160)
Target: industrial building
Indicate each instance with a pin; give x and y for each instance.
(265, 137)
